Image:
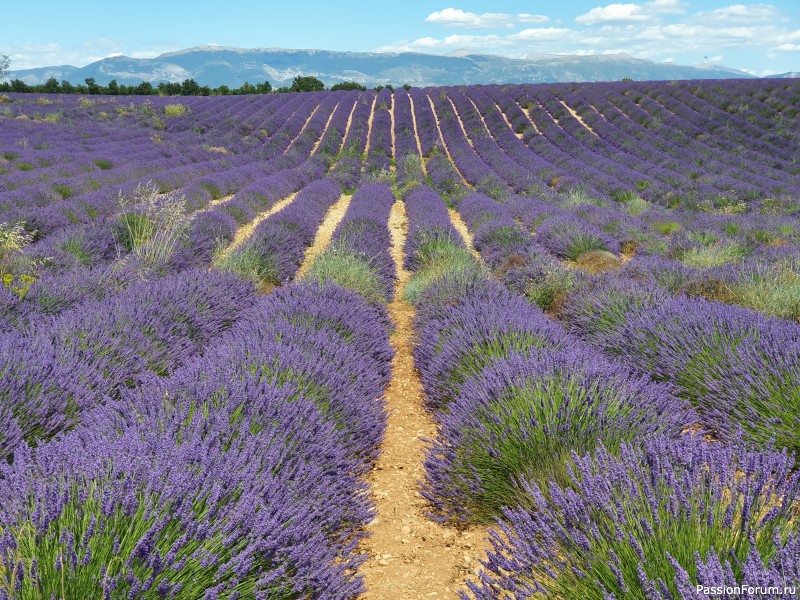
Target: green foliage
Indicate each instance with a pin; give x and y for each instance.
(439, 257)
(530, 430)
(174, 110)
(341, 266)
(307, 84)
(581, 244)
(713, 255)
(579, 196)
(104, 164)
(771, 289)
(249, 263)
(63, 190)
(548, 290)
(151, 226)
(487, 352)
(13, 239)
(348, 85)
(665, 227)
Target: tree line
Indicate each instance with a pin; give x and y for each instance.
(189, 87)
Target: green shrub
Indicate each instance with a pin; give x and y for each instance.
(151, 226)
(665, 227)
(174, 110)
(343, 267)
(439, 257)
(249, 263)
(713, 256)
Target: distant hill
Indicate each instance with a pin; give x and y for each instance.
(214, 66)
(790, 74)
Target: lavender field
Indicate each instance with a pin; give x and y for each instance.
(206, 303)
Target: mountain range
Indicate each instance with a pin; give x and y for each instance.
(215, 65)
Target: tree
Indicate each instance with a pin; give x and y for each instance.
(348, 85)
(144, 89)
(91, 86)
(190, 88)
(169, 88)
(50, 86)
(263, 88)
(307, 84)
(5, 63)
(66, 87)
(247, 88)
(113, 87)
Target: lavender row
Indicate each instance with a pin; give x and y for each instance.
(429, 226)
(347, 169)
(359, 250)
(649, 521)
(736, 366)
(237, 474)
(379, 147)
(277, 246)
(64, 366)
(514, 394)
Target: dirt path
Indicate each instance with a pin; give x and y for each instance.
(505, 118)
(245, 231)
(577, 117)
(323, 238)
(444, 144)
(480, 114)
(324, 131)
(460, 122)
(394, 140)
(410, 556)
(416, 135)
(530, 120)
(302, 131)
(369, 124)
(349, 123)
(463, 231)
(215, 203)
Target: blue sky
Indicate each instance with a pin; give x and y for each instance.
(761, 38)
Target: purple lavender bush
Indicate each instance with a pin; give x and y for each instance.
(569, 237)
(39, 396)
(662, 520)
(226, 487)
(151, 327)
(737, 366)
(522, 417)
(460, 334)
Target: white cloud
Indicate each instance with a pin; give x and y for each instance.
(542, 33)
(741, 13)
(532, 19)
(31, 55)
(613, 13)
(457, 18)
(787, 48)
(454, 17)
(630, 13)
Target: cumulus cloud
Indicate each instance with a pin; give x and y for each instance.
(630, 13)
(454, 17)
(787, 48)
(742, 13)
(530, 19)
(457, 18)
(32, 55)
